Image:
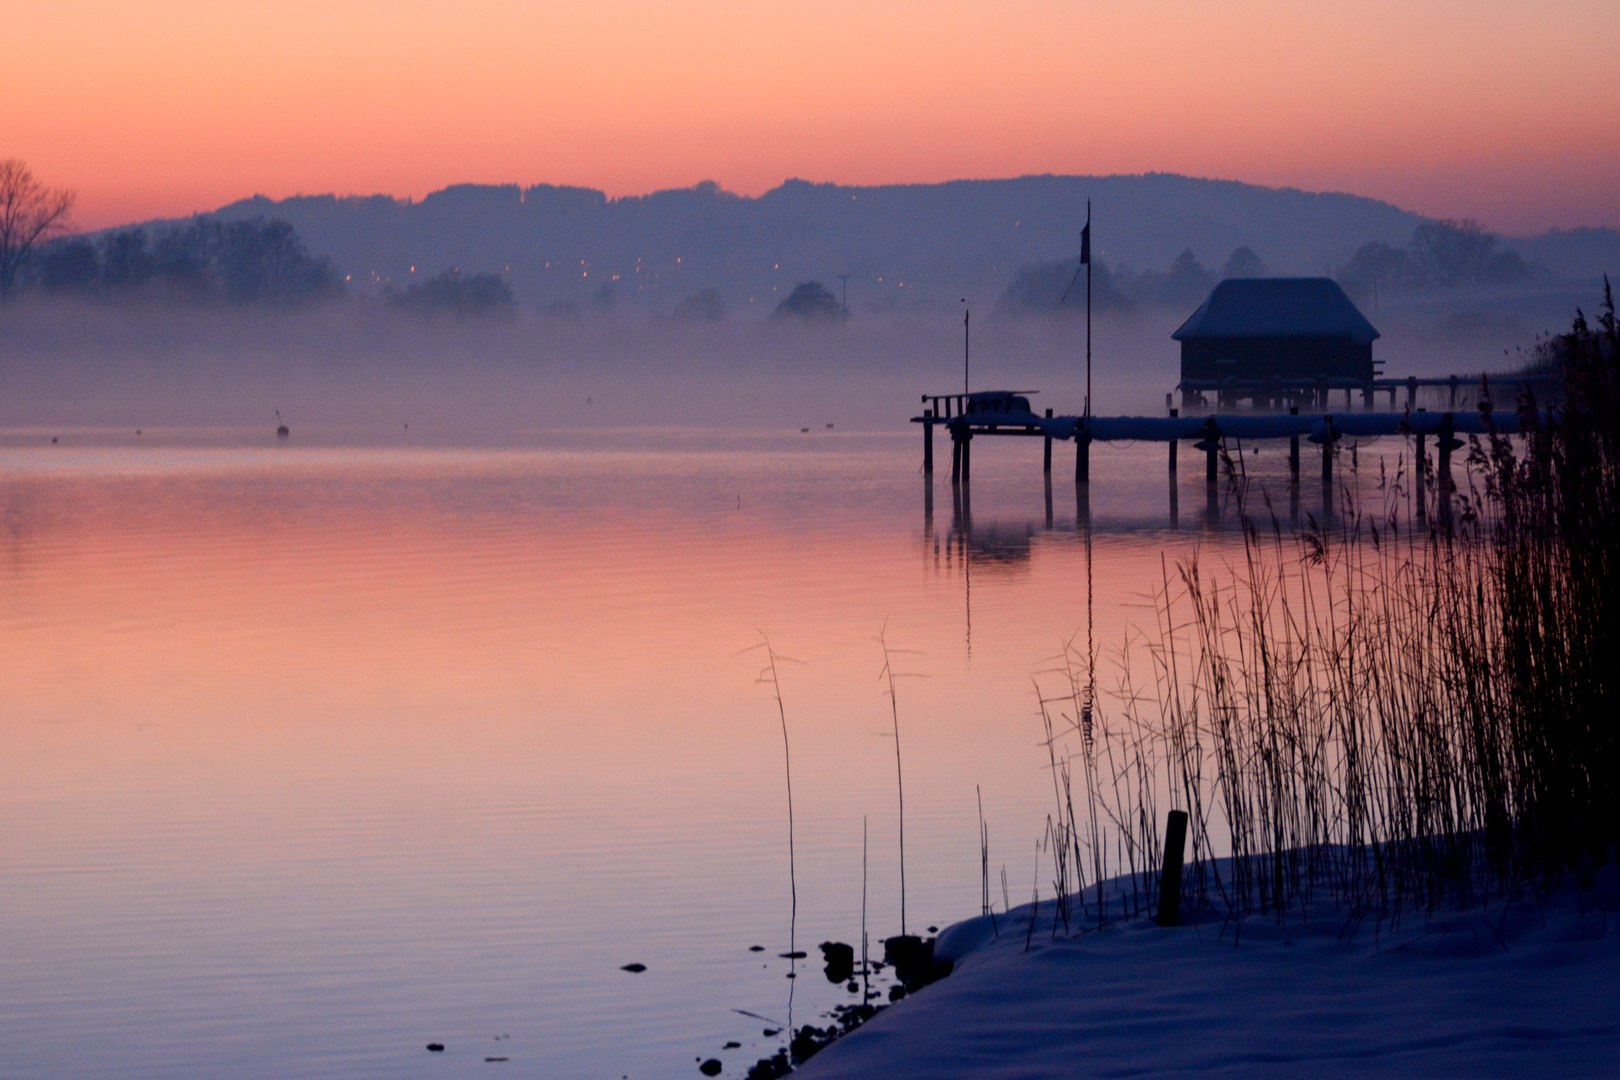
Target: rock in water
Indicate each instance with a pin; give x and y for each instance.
(711, 1067)
(840, 960)
(634, 969)
(913, 960)
(435, 1048)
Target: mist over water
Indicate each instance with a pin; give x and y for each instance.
(349, 374)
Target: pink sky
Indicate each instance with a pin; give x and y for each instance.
(1503, 111)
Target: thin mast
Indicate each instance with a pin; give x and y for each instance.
(1086, 251)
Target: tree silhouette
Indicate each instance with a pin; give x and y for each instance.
(471, 294)
(812, 301)
(1053, 288)
(1188, 281)
(29, 212)
(1458, 253)
(70, 265)
(1244, 263)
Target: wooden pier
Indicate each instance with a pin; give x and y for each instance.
(1316, 394)
(1008, 412)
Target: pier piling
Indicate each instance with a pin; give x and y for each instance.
(1293, 448)
(1173, 443)
(1211, 444)
(928, 441)
(1047, 460)
(1327, 451)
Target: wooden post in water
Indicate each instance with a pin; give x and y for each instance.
(1327, 451)
(1419, 467)
(1293, 447)
(956, 455)
(1175, 844)
(928, 441)
(1212, 442)
(1046, 463)
(1082, 457)
(1411, 391)
(1447, 431)
(967, 459)
(1448, 442)
(1173, 443)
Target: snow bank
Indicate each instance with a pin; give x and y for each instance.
(1518, 989)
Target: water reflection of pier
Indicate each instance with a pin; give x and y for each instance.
(1007, 542)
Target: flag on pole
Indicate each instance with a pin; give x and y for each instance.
(1085, 244)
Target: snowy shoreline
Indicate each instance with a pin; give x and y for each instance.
(1509, 989)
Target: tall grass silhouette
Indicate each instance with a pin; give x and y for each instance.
(1381, 715)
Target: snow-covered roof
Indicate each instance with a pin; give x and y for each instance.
(1278, 307)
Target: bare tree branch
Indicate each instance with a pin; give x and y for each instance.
(29, 212)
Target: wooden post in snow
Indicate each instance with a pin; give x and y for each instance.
(1175, 843)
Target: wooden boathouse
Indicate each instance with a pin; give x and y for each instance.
(1264, 337)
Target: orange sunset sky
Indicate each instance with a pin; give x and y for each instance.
(1505, 111)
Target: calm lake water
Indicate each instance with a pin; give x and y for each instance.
(313, 755)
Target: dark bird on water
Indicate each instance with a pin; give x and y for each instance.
(282, 430)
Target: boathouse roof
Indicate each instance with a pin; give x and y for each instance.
(1278, 307)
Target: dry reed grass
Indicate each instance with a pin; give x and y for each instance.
(1410, 707)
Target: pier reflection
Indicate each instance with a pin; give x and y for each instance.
(1119, 505)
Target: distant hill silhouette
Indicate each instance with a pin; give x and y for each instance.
(902, 245)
